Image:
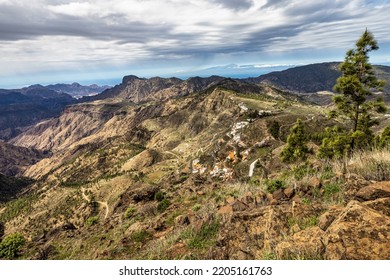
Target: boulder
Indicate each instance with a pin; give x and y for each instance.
(239, 206)
(381, 205)
(289, 192)
(374, 191)
(359, 232)
(279, 195)
(314, 182)
(224, 210)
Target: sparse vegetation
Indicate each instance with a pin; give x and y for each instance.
(202, 239)
(101, 202)
(371, 164)
(18, 206)
(303, 223)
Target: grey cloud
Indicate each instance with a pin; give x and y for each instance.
(16, 24)
(235, 4)
(275, 4)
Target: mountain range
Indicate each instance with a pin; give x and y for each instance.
(20, 108)
(190, 169)
(314, 77)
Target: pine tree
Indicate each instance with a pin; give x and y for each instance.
(357, 82)
(296, 148)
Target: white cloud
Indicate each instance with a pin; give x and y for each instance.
(39, 35)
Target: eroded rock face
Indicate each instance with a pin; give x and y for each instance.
(359, 230)
(374, 191)
(359, 233)
(306, 244)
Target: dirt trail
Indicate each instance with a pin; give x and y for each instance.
(252, 168)
(102, 203)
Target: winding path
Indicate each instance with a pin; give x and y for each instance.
(102, 203)
(252, 168)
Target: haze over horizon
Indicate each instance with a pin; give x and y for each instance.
(56, 41)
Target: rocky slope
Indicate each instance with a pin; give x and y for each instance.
(15, 160)
(157, 173)
(27, 106)
(140, 89)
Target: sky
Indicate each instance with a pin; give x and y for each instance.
(100, 41)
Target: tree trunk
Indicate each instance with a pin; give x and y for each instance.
(355, 126)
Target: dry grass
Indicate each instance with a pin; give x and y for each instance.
(372, 165)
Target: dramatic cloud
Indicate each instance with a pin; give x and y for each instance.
(58, 37)
(235, 4)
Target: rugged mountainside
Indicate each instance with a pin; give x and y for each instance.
(28, 106)
(140, 89)
(171, 169)
(14, 160)
(313, 78)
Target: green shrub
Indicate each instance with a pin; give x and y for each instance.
(92, 221)
(296, 148)
(163, 205)
(335, 144)
(159, 196)
(129, 212)
(274, 128)
(140, 236)
(273, 185)
(11, 245)
(384, 140)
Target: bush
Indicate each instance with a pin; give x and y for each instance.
(335, 144)
(385, 138)
(274, 128)
(11, 245)
(273, 185)
(159, 196)
(140, 236)
(296, 149)
(92, 221)
(129, 212)
(163, 205)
